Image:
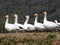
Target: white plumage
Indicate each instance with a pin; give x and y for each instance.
(49, 24)
(9, 26)
(46, 24)
(22, 27)
(37, 24)
(57, 22)
(29, 26)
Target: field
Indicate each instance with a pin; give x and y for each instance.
(41, 38)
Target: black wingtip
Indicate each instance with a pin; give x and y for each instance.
(20, 27)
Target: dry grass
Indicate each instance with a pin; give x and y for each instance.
(34, 38)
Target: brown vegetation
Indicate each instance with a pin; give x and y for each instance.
(30, 38)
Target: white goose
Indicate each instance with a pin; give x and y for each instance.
(48, 24)
(37, 24)
(9, 26)
(29, 26)
(22, 27)
(57, 22)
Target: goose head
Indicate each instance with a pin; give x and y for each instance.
(27, 17)
(16, 18)
(44, 13)
(6, 16)
(36, 18)
(15, 15)
(36, 14)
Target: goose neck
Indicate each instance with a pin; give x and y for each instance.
(45, 18)
(36, 19)
(6, 21)
(26, 21)
(16, 19)
(55, 21)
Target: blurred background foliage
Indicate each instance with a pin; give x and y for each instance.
(28, 7)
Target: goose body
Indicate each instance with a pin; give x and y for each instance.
(29, 26)
(37, 24)
(49, 24)
(21, 26)
(9, 26)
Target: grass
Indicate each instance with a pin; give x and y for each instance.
(44, 38)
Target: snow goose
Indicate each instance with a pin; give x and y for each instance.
(21, 26)
(37, 24)
(9, 26)
(48, 24)
(29, 26)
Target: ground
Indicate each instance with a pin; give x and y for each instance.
(40, 38)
